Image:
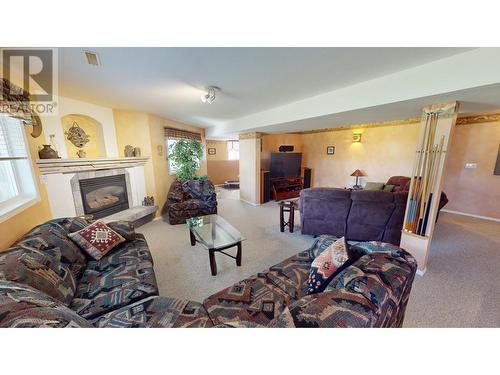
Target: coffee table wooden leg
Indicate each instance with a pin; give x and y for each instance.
(282, 219)
(238, 255)
(192, 237)
(213, 265)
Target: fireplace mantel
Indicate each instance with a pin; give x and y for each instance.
(50, 166)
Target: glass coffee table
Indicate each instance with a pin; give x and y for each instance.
(215, 234)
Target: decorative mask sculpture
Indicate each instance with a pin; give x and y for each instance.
(77, 135)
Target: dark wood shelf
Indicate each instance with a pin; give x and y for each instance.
(286, 187)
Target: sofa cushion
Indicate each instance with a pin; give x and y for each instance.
(324, 210)
(54, 234)
(252, 300)
(97, 239)
(39, 270)
(23, 306)
(332, 309)
(384, 279)
(370, 211)
(394, 226)
(124, 276)
(291, 274)
(123, 228)
(325, 265)
(157, 312)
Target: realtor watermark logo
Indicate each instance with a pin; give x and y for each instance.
(31, 70)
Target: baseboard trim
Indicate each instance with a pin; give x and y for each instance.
(471, 215)
(250, 203)
(421, 272)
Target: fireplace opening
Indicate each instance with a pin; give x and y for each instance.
(103, 196)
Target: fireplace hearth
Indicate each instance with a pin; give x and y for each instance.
(103, 196)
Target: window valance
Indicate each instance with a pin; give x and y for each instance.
(15, 102)
(177, 134)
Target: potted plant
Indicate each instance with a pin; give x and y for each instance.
(190, 194)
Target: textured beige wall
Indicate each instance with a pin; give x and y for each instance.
(384, 151)
(474, 191)
(271, 143)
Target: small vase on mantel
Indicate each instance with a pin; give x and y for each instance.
(47, 152)
(81, 154)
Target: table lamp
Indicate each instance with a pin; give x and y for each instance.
(357, 173)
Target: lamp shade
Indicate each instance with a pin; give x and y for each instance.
(357, 173)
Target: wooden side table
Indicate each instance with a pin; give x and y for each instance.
(289, 207)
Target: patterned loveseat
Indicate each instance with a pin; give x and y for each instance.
(45, 280)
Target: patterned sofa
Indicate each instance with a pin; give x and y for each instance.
(46, 281)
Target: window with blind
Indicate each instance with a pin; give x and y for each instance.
(17, 185)
(172, 136)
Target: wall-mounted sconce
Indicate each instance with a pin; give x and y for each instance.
(356, 137)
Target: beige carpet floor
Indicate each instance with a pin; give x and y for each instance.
(461, 287)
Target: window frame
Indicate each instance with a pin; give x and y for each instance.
(26, 195)
(231, 144)
(171, 169)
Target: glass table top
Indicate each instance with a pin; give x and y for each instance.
(214, 232)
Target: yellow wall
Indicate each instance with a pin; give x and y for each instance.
(384, 151)
(219, 167)
(143, 130)
(95, 146)
(221, 150)
(14, 227)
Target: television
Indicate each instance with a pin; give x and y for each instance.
(285, 164)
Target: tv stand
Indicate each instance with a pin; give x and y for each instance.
(286, 187)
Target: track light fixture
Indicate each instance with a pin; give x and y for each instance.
(209, 96)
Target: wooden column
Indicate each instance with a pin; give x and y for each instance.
(436, 129)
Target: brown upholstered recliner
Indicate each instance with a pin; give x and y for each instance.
(401, 183)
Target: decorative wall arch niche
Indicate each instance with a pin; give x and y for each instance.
(95, 147)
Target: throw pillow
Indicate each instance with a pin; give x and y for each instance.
(325, 265)
(97, 239)
(389, 188)
(374, 186)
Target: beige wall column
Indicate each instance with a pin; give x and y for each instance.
(418, 244)
(250, 167)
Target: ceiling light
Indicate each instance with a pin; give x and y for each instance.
(209, 96)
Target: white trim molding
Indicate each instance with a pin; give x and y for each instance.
(48, 166)
(471, 215)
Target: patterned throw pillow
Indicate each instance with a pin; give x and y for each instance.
(324, 266)
(39, 270)
(97, 239)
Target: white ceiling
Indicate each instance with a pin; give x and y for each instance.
(169, 81)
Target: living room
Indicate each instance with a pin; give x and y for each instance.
(249, 187)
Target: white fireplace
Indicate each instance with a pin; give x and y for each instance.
(61, 178)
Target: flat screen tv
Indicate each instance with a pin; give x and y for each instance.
(285, 164)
